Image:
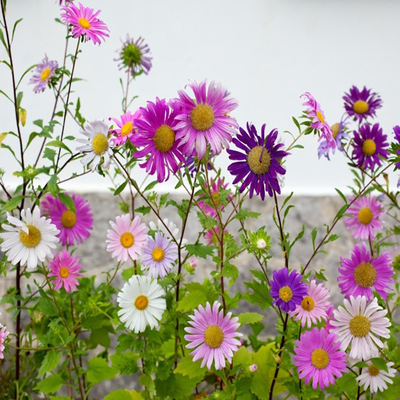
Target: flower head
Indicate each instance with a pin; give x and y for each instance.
(65, 267)
(29, 240)
(213, 236)
(318, 357)
(260, 162)
(338, 134)
(212, 335)
(134, 57)
(287, 290)
(376, 379)
(396, 131)
(142, 303)
(126, 127)
(43, 73)
(84, 22)
(210, 206)
(3, 336)
(361, 105)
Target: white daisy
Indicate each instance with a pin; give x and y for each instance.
(98, 146)
(361, 326)
(375, 378)
(142, 303)
(172, 228)
(30, 239)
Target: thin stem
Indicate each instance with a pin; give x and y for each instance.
(125, 107)
(281, 231)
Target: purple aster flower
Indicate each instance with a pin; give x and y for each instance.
(361, 105)
(157, 135)
(192, 163)
(214, 335)
(361, 273)
(65, 267)
(159, 255)
(318, 357)
(396, 130)
(338, 134)
(205, 120)
(369, 145)
(126, 127)
(287, 290)
(260, 162)
(134, 56)
(43, 73)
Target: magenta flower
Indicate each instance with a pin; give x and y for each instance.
(364, 217)
(43, 73)
(84, 21)
(65, 267)
(361, 105)
(212, 335)
(210, 206)
(3, 336)
(361, 273)
(205, 120)
(318, 357)
(75, 226)
(126, 127)
(213, 236)
(396, 131)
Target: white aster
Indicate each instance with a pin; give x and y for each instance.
(30, 239)
(142, 303)
(375, 378)
(172, 228)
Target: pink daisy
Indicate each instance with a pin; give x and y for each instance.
(65, 267)
(314, 306)
(212, 335)
(84, 21)
(209, 206)
(3, 336)
(318, 357)
(75, 226)
(126, 127)
(361, 273)
(212, 236)
(364, 217)
(205, 119)
(157, 135)
(126, 238)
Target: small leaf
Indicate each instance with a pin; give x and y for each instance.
(13, 203)
(50, 362)
(50, 384)
(2, 137)
(190, 368)
(120, 188)
(250, 318)
(99, 371)
(67, 201)
(200, 250)
(22, 116)
(59, 143)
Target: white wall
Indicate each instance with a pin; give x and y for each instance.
(265, 52)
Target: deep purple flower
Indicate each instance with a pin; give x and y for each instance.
(361, 105)
(396, 130)
(259, 163)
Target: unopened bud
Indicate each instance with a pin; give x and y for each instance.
(253, 368)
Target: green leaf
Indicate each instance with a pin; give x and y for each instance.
(67, 201)
(341, 195)
(14, 27)
(52, 185)
(99, 371)
(379, 363)
(187, 367)
(13, 203)
(150, 186)
(260, 295)
(206, 221)
(20, 95)
(250, 318)
(200, 250)
(120, 188)
(242, 357)
(50, 362)
(125, 363)
(192, 300)
(143, 210)
(244, 214)
(128, 273)
(314, 233)
(231, 272)
(123, 394)
(49, 153)
(50, 384)
(59, 143)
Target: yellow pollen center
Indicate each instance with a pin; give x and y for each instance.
(64, 272)
(84, 23)
(141, 302)
(285, 293)
(369, 147)
(373, 371)
(365, 275)
(360, 326)
(259, 160)
(164, 138)
(68, 219)
(365, 215)
(215, 196)
(320, 116)
(307, 303)
(158, 254)
(99, 144)
(127, 239)
(202, 117)
(213, 336)
(360, 107)
(31, 239)
(126, 129)
(45, 74)
(335, 130)
(319, 358)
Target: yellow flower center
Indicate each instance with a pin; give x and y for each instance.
(319, 358)
(365, 215)
(127, 239)
(158, 254)
(164, 138)
(99, 144)
(335, 130)
(307, 303)
(320, 116)
(84, 23)
(285, 293)
(215, 196)
(369, 147)
(64, 272)
(373, 371)
(259, 160)
(360, 326)
(126, 129)
(31, 239)
(360, 107)
(213, 336)
(68, 219)
(365, 275)
(141, 302)
(202, 117)
(45, 74)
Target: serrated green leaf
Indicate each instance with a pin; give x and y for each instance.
(99, 371)
(244, 214)
(200, 250)
(250, 318)
(187, 367)
(123, 394)
(50, 384)
(143, 210)
(50, 362)
(192, 300)
(125, 363)
(242, 357)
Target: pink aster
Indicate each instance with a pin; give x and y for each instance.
(126, 238)
(362, 273)
(363, 218)
(84, 21)
(65, 267)
(205, 120)
(75, 226)
(43, 73)
(3, 336)
(126, 127)
(210, 206)
(213, 236)
(314, 306)
(212, 335)
(318, 357)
